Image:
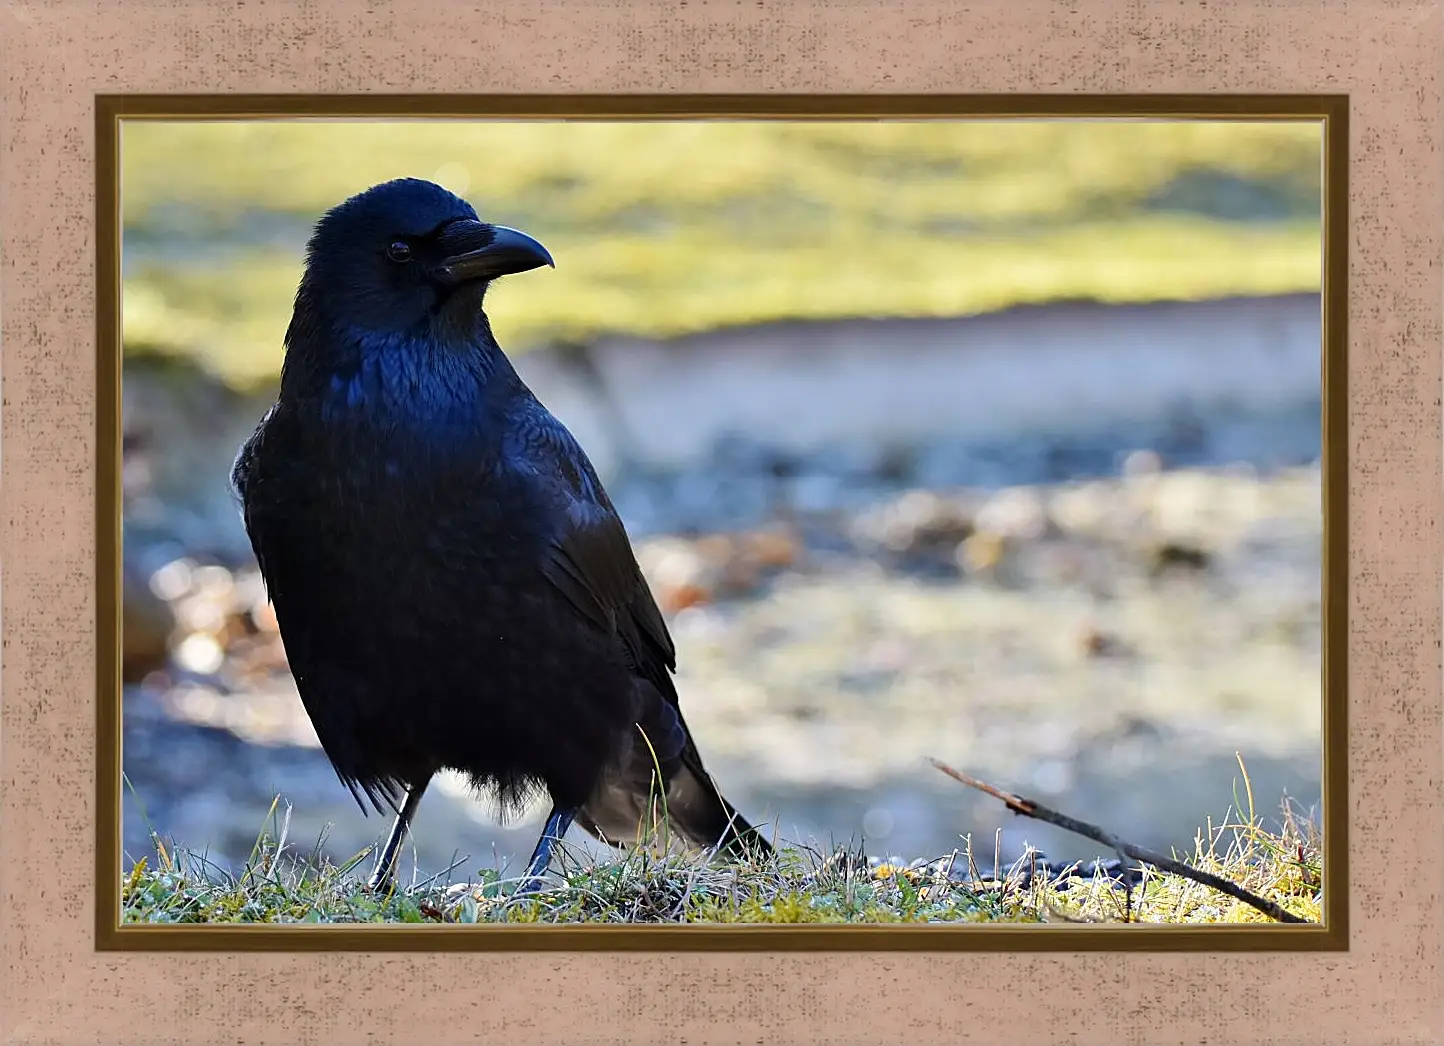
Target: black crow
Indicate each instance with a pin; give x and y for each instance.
(453, 586)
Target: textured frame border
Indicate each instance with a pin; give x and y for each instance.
(1330, 110)
(1384, 56)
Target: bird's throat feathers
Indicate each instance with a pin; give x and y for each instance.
(428, 381)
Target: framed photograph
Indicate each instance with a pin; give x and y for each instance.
(907, 512)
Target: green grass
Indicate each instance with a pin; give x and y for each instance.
(661, 229)
(279, 884)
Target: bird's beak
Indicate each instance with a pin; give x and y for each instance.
(478, 251)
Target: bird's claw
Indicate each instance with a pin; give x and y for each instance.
(385, 886)
(530, 885)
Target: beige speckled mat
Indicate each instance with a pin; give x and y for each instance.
(58, 55)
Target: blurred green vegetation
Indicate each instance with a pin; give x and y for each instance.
(666, 228)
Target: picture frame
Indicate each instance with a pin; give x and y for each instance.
(64, 945)
(1329, 111)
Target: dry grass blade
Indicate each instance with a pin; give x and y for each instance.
(1028, 808)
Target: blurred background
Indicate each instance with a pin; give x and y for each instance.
(994, 441)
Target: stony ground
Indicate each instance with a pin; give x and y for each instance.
(1109, 647)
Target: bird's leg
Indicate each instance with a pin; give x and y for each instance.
(381, 879)
(558, 821)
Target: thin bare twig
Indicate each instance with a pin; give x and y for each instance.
(1029, 808)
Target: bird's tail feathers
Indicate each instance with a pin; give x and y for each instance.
(699, 810)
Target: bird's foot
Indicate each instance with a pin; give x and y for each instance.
(383, 885)
(556, 826)
(530, 885)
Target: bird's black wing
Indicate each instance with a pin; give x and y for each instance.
(590, 561)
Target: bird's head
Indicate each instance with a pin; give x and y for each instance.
(407, 256)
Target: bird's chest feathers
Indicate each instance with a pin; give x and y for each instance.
(405, 424)
(408, 387)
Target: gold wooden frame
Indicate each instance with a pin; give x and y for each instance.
(1333, 935)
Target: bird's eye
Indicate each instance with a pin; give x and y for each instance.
(399, 252)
